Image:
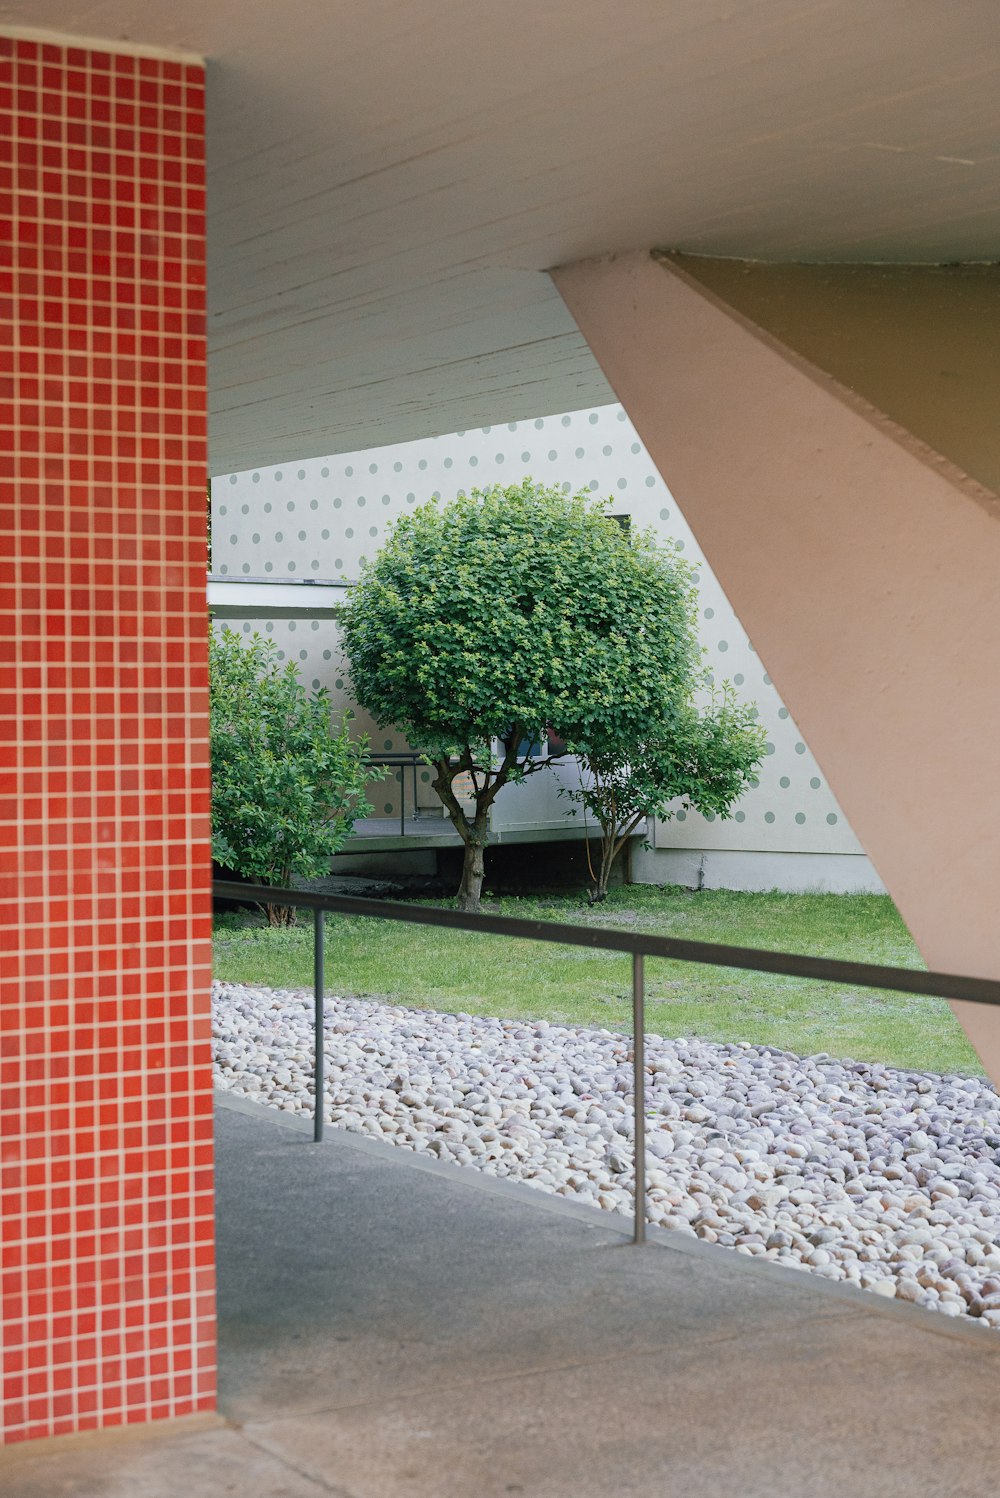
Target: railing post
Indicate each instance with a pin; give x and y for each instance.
(639, 1094)
(318, 987)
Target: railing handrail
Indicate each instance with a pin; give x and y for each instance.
(610, 939)
(638, 944)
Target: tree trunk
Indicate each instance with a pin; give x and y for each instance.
(473, 868)
(608, 853)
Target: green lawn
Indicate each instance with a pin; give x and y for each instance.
(489, 975)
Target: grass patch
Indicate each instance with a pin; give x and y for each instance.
(457, 970)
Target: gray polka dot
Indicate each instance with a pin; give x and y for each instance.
(769, 748)
(782, 712)
(784, 782)
(327, 654)
(741, 816)
(223, 568)
(373, 468)
(539, 423)
(723, 645)
(244, 509)
(324, 473)
(552, 455)
(277, 476)
(832, 818)
(738, 679)
(708, 613)
(397, 467)
(815, 782)
(255, 477)
(232, 478)
(566, 421)
(682, 816)
(593, 418)
(302, 473)
(800, 748)
(246, 566)
(650, 481)
(268, 566)
(525, 457)
(314, 504)
(767, 679)
(800, 817)
(769, 816)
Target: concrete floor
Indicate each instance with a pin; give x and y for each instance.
(397, 1328)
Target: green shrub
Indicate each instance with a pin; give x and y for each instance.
(287, 785)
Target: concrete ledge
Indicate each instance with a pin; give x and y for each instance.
(180, 1426)
(863, 1302)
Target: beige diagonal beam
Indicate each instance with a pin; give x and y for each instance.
(863, 562)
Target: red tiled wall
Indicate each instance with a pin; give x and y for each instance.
(105, 1097)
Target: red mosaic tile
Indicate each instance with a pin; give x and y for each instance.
(105, 1183)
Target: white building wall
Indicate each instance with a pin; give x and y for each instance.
(318, 518)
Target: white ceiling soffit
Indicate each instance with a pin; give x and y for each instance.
(390, 178)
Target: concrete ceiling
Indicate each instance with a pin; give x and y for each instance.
(390, 179)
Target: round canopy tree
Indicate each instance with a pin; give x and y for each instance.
(509, 613)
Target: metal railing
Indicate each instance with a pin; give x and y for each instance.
(399, 764)
(639, 946)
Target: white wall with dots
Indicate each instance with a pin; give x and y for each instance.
(318, 518)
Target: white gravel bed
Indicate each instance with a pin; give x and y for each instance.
(851, 1170)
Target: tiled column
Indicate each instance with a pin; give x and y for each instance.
(105, 1100)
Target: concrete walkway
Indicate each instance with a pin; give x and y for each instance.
(397, 1328)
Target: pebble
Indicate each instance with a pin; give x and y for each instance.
(885, 1178)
